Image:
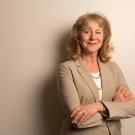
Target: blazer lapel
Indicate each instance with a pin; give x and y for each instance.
(106, 79)
(84, 73)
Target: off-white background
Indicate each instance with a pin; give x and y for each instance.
(33, 34)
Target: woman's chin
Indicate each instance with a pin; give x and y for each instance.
(93, 50)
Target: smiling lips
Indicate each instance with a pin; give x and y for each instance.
(92, 43)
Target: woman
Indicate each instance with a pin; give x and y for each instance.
(91, 87)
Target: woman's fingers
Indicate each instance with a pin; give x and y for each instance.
(120, 90)
(75, 111)
(129, 98)
(83, 119)
(123, 94)
(124, 91)
(128, 94)
(78, 116)
(81, 115)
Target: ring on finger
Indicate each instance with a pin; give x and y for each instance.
(84, 114)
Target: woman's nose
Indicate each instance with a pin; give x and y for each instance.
(92, 36)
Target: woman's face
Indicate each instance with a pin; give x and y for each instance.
(91, 37)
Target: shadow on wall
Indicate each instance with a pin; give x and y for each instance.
(51, 112)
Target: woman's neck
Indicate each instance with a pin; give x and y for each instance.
(91, 63)
(90, 59)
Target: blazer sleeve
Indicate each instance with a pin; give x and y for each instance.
(120, 110)
(69, 96)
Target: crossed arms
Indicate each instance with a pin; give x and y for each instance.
(122, 105)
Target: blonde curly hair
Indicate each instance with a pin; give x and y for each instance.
(74, 46)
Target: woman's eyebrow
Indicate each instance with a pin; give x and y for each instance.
(86, 28)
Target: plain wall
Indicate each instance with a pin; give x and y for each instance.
(32, 38)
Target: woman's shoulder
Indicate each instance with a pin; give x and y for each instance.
(67, 64)
(112, 65)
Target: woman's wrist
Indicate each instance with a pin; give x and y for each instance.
(100, 107)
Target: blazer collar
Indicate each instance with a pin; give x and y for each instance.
(84, 73)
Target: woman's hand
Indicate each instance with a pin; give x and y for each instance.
(123, 94)
(81, 114)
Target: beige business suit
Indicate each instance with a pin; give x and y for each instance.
(75, 87)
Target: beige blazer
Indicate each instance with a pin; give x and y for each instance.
(75, 88)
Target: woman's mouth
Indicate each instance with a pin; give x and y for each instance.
(92, 43)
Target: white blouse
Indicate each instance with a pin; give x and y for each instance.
(97, 79)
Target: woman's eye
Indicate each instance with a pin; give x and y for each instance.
(86, 32)
(98, 32)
